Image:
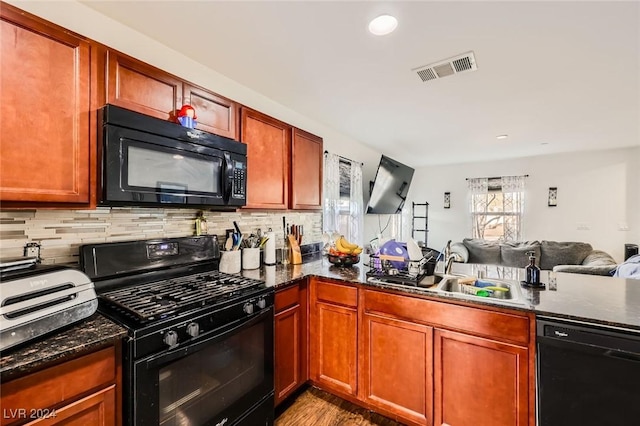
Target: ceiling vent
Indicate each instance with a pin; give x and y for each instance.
(451, 66)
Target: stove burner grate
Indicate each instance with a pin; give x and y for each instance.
(159, 299)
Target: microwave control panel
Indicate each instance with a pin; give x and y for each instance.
(239, 180)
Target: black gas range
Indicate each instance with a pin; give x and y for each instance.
(200, 347)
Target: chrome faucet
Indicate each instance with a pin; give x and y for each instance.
(449, 263)
(447, 257)
(447, 250)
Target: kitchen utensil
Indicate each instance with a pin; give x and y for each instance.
(228, 245)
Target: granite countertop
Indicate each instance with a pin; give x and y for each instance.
(594, 299)
(600, 300)
(69, 342)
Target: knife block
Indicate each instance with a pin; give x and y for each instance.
(295, 257)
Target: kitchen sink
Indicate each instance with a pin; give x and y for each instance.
(491, 290)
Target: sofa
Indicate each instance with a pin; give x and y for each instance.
(575, 257)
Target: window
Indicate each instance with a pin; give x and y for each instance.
(342, 207)
(497, 206)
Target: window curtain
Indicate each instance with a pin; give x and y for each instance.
(356, 206)
(331, 193)
(478, 192)
(346, 217)
(513, 206)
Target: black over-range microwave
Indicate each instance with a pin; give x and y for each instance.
(148, 161)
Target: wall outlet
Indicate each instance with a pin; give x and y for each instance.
(32, 250)
(623, 226)
(583, 226)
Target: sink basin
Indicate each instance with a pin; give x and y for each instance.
(493, 290)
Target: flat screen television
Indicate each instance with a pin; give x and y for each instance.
(390, 187)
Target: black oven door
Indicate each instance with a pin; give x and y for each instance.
(223, 379)
(142, 168)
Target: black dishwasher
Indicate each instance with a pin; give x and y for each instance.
(587, 375)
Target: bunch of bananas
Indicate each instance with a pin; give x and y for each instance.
(342, 247)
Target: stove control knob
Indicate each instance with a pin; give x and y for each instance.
(193, 329)
(171, 338)
(248, 308)
(262, 303)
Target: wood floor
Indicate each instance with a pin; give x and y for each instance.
(314, 407)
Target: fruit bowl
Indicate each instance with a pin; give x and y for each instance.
(343, 259)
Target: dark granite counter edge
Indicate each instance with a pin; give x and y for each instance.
(67, 343)
(426, 294)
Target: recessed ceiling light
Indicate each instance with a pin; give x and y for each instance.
(383, 25)
(502, 136)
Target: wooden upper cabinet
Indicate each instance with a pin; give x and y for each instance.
(140, 87)
(306, 171)
(268, 147)
(215, 114)
(45, 108)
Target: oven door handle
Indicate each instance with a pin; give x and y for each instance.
(211, 336)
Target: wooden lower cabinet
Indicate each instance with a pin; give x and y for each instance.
(396, 367)
(422, 361)
(480, 381)
(291, 354)
(82, 391)
(97, 409)
(333, 331)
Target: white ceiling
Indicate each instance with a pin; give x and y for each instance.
(554, 76)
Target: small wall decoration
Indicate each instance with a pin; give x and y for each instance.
(553, 196)
(187, 117)
(447, 200)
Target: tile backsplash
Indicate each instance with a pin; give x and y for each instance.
(61, 232)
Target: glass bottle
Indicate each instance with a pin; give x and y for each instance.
(533, 272)
(201, 224)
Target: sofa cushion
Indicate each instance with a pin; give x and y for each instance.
(554, 253)
(482, 251)
(515, 253)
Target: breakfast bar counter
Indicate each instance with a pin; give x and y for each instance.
(607, 301)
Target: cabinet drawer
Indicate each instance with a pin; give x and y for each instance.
(97, 409)
(504, 326)
(287, 298)
(336, 293)
(59, 383)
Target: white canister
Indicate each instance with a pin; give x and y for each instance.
(270, 249)
(230, 262)
(250, 258)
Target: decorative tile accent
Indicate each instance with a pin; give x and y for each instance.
(61, 232)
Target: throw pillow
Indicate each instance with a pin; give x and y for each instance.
(515, 253)
(554, 253)
(482, 251)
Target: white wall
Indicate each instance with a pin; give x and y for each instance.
(598, 190)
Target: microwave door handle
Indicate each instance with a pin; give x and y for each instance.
(227, 176)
